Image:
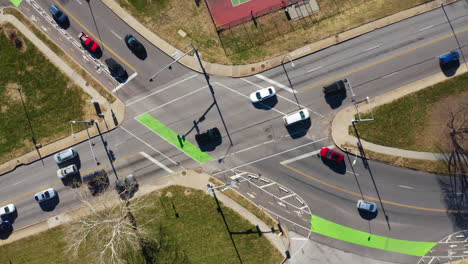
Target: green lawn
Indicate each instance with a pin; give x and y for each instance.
(417, 121)
(197, 235)
(50, 98)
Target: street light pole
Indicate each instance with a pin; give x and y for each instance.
(289, 80)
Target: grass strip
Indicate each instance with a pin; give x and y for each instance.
(175, 139)
(340, 232)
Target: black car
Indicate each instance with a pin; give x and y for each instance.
(116, 70)
(135, 46)
(60, 17)
(335, 88)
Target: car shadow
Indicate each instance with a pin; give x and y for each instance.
(49, 205)
(299, 129)
(266, 104)
(338, 167)
(5, 234)
(73, 181)
(64, 24)
(367, 215)
(97, 54)
(335, 100)
(450, 68)
(210, 145)
(141, 55)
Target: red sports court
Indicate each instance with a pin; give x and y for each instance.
(232, 12)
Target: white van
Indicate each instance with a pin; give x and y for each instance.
(295, 117)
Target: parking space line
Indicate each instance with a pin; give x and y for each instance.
(266, 185)
(280, 96)
(303, 156)
(162, 166)
(158, 91)
(232, 90)
(282, 86)
(287, 196)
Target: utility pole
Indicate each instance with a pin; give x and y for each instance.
(289, 80)
(453, 31)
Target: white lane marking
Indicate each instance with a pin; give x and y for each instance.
(274, 83)
(406, 187)
(426, 28)
(287, 196)
(79, 2)
(232, 90)
(303, 156)
(177, 99)
(266, 185)
(352, 172)
(284, 98)
(371, 48)
(122, 84)
(271, 156)
(151, 147)
(318, 68)
(162, 166)
(151, 94)
(391, 74)
(251, 195)
(115, 34)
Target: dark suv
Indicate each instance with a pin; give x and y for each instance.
(135, 46)
(116, 70)
(335, 88)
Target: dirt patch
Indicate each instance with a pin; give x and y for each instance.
(15, 39)
(437, 131)
(188, 192)
(169, 194)
(13, 92)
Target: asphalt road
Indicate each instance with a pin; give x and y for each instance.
(374, 63)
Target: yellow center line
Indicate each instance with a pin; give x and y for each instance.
(95, 37)
(59, 182)
(381, 61)
(370, 197)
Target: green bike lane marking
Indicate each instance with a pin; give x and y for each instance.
(16, 2)
(327, 228)
(172, 137)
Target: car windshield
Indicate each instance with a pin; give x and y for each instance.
(329, 153)
(270, 90)
(302, 115)
(7, 210)
(258, 95)
(46, 195)
(335, 156)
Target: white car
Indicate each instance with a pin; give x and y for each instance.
(69, 170)
(262, 94)
(64, 155)
(366, 206)
(7, 209)
(45, 195)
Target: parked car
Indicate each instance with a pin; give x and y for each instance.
(211, 135)
(7, 210)
(331, 155)
(295, 117)
(60, 17)
(449, 57)
(262, 94)
(366, 206)
(45, 195)
(67, 171)
(116, 69)
(88, 42)
(65, 155)
(135, 46)
(335, 87)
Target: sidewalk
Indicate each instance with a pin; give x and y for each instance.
(186, 178)
(118, 106)
(254, 68)
(342, 120)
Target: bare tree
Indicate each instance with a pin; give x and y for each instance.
(107, 223)
(458, 154)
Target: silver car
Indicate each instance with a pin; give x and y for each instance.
(45, 195)
(366, 206)
(7, 210)
(65, 155)
(65, 172)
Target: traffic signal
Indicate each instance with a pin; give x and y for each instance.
(111, 155)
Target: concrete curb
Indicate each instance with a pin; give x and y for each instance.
(342, 120)
(186, 178)
(118, 106)
(254, 68)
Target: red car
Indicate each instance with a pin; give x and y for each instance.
(331, 154)
(88, 42)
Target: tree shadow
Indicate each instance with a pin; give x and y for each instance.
(73, 181)
(299, 129)
(335, 100)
